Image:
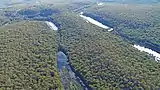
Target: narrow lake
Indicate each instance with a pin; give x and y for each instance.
(70, 80)
(149, 51)
(91, 20)
(141, 48)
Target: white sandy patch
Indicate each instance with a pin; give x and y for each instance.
(111, 29)
(51, 25)
(88, 19)
(149, 51)
(99, 4)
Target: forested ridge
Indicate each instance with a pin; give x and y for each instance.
(137, 22)
(28, 57)
(105, 60)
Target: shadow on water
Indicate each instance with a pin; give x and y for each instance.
(70, 78)
(35, 13)
(145, 43)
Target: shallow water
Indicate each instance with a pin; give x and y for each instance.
(149, 51)
(91, 20)
(51, 25)
(68, 76)
(149, 47)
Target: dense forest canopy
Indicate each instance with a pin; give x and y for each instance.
(102, 60)
(105, 60)
(139, 22)
(28, 57)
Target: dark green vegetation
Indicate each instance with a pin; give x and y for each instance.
(104, 60)
(68, 77)
(139, 23)
(100, 58)
(28, 57)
